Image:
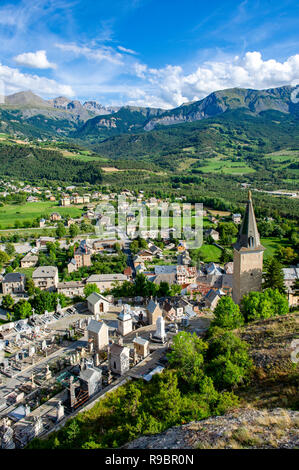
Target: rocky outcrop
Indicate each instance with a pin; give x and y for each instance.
(240, 428)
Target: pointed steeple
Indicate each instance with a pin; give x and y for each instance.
(248, 237)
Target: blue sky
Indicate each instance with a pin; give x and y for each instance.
(146, 52)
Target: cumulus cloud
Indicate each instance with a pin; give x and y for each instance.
(12, 81)
(170, 86)
(37, 60)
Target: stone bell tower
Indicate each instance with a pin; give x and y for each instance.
(248, 256)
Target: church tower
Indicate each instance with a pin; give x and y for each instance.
(248, 256)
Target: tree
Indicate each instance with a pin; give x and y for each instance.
(22, 309)
(10, 249)
(74, 230)
(61, 230)
(4, 258)
(7, 302)
(30, 286)
(175, 289)
(228, 360)
(227, 314)
(259, 305)
(274, 275)
(226, 256)
(163, 290)
(90, 288)
(187, 356)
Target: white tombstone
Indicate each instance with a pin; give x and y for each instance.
(160, 331)
(60, 411)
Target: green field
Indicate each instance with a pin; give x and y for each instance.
(271, 244)
(9, 214)
(210, 253)
(218, 165)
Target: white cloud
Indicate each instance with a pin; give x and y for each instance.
(127, 51)
(170, 86)
(103, 53)
(37, 60)
(13, 80)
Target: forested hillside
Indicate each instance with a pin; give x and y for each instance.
(21, 161)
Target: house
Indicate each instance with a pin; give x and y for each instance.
(97, 303)
(82, 255)
(98, 333)
(106, 281)
(181, 246)
(45, 277)
(212, 298)
(30, 260)
(145, 255)
(291, 275)
(41, 242)
(71, 288)
(186, 274)
(141, 347)
(72, 266)
(154, 311)
(65, 201)
(42, 223)
(13, 283)
(108, 244)
(236, 218)
(170, 278)
(213, 234)
(128, 271)
(184, 258)
(119, 358)
(55, 216)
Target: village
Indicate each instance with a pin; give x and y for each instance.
(105, 308)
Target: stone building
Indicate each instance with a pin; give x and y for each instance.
(124, 322)
(119, 358)
(30, 260)
(97, 303)
(141, 347)
(82, 255)
(154, 311)
(98, 332)
(106, 281)
(91, 380)
(71, 288)
(13, 283)
(45, 277)
(248, 256)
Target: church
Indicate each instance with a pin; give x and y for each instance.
(248, 256)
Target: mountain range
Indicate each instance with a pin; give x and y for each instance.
(27, 115)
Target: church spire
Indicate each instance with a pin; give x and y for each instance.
(248, 237)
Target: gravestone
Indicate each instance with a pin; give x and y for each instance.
(60, 411)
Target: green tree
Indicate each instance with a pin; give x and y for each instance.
(10, 249)
(227, 314)
(30, 286)
(90, 288)
(259, 305)
(274, 278)
(187, 356)
(22, 309)
(228, 362)
(7, 302)
(61, 230)
(74, 230)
